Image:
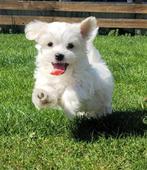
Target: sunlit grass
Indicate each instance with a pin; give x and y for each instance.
(46, 139)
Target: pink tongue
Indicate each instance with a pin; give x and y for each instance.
(58, 69)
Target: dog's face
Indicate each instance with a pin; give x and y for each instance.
(61, 46)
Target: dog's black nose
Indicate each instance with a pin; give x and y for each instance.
(59, 57)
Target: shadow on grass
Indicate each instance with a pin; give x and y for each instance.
(117, 125)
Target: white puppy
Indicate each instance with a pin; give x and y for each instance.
(69, 70)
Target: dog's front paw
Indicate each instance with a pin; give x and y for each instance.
(41, 98)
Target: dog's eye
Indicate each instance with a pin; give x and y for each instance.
(50, 44)
(70, 46)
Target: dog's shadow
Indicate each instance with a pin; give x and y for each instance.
(118, 124)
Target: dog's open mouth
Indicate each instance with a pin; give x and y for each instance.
(59, 68)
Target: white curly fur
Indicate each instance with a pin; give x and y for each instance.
(87, 84)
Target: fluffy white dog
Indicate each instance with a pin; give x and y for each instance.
(69, 70)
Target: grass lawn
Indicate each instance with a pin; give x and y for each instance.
(46, 139)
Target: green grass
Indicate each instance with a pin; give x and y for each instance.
(46, 139)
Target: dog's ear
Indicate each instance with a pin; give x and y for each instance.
(88, 27)
(34, 29)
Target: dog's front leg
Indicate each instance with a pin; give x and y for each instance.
(71, 102)
(43, 98)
